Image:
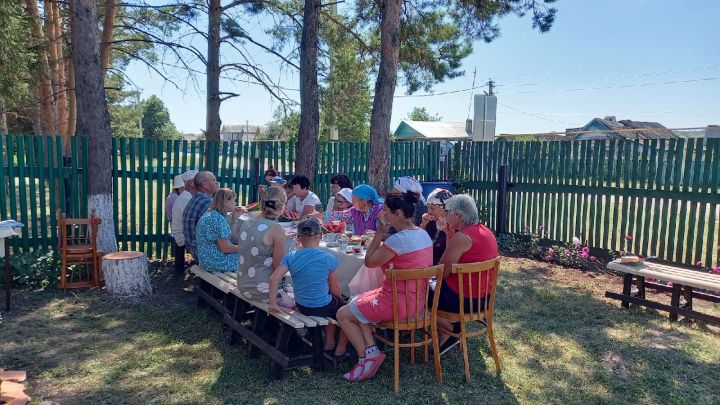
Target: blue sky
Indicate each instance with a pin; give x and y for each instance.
(646, 60)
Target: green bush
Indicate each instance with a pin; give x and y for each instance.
(35, 270)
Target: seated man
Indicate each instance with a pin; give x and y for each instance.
(205, 187)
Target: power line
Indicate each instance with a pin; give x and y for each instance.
(534, 115)
(623, 86)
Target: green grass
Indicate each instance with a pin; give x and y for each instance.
(559, 341)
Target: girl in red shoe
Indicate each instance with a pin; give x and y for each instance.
(409, 248)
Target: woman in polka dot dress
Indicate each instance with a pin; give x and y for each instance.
(262, 246)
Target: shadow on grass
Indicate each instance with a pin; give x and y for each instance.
(575, 345)
(557, 344)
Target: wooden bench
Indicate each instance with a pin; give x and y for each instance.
(684, 280)
(270, 333)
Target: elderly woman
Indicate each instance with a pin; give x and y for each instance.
(473, 242)
(409, 248)
(435, 222)
(337, 183)
(408, 183)
(365, 211)
(212, 235)
(262, 246)
(342, 203)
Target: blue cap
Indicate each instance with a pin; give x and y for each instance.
(278, 180)
(368, 193)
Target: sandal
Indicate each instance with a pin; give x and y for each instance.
(355, 374)
(371, 366)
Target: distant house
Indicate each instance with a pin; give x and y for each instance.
(537, 137)
(417, 130)
(623, 129)
(235, 132)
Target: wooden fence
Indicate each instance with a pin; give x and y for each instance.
(664, 193)
(37, 181)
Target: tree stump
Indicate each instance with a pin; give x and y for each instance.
(126, 274)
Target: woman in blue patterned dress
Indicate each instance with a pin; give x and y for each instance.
(214, 250)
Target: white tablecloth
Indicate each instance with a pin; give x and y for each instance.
(349, 265)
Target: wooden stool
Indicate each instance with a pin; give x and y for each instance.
(126, 274)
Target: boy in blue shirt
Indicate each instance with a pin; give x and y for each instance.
(315, 283)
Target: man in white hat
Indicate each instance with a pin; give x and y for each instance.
(177, 218)
(178, 188)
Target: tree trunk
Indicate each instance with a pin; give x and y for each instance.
(3, 118)
(126, 274)
(45, 94)
(212, 119)
(107, 34)
(62, 99)
(52, 38)
(309, 101)
(72, 100)
(94, 117)
(379, 171)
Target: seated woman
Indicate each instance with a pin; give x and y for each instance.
(365, 211)
(262, 246)
(342, 202)
(409, 248)
(473, 242)
(215, 252)
(435, 221)
(337, 183)
(408, 183)
(303, 201)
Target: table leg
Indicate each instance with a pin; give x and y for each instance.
(641, 286)
(8, 274)
(627, 285)
(688, 297)
(675, 301)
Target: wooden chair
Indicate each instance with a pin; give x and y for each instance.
(424, 319)
(77, 244)
(487, 275)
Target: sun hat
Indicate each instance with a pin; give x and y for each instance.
(408, 183)
(346, 193)
(439, 196)
(309, 227)
(189, 175)
(178, 181)
(368, 193)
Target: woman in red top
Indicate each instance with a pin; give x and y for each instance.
(473, 242)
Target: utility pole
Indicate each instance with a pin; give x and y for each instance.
(491, 85)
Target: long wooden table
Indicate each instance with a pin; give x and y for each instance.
(684, 280)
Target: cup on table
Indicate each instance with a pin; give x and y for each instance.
(357, 249)
(331, 237)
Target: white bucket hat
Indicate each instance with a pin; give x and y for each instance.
(178, 181)
(189, 175)
(346, 193)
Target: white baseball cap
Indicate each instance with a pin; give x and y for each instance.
(189, 175)
(178, 181)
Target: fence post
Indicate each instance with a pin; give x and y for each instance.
(67, 162)
(504, 186)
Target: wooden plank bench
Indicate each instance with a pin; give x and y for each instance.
(684, 280)
(250, 319)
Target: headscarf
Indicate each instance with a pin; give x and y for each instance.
(407, 183)
(346, 193)
(368, 193)
(439, 196)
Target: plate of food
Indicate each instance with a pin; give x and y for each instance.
(630, 259)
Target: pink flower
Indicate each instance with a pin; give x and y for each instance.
(699, 263)
(669, 284)
(628, 237)
(716, 269)
(548, 258)
(567, 252)
(586, 250)
(593, 258)
(584, 255)
(649, 279)
(551, 251)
